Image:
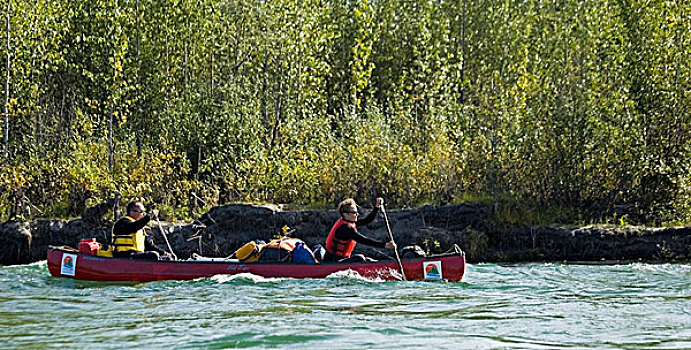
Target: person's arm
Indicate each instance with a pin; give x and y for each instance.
(126, 227)
(370, 217)
(345, 233)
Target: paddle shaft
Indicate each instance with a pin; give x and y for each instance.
(388, 228)
(166, 239)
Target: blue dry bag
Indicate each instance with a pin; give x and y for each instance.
(302, 255)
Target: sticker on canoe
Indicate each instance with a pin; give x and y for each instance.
(432, 270)
(68, 264)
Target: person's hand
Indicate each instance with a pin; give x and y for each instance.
(154, 214)
(390, 245)
(379, 202)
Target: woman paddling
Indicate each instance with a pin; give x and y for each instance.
(344, 234)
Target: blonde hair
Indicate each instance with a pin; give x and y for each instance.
(343, 206)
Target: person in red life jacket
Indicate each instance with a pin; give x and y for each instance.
(129, 239)
(344, 234)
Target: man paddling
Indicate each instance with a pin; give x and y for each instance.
(344, 234)
(129, 239)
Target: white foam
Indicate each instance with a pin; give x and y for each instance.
(246, 276)
(352, 274)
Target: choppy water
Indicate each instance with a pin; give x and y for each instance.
(526, 306)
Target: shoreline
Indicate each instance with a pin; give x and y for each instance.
(436, 229)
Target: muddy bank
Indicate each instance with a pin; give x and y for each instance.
(435, 228)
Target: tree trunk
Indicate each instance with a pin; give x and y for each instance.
(461, 87)
(111, 148)
(139, 80)
(6, 127)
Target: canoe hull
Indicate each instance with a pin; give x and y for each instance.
(67, 263)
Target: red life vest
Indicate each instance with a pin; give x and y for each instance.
(339, 247)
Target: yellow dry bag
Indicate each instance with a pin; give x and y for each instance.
(249, 252)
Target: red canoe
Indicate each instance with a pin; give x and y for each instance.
(68, 262)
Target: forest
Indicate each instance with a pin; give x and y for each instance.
(545, 110)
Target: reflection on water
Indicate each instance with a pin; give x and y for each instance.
(543, 306)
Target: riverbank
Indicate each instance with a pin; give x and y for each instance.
(436, 229)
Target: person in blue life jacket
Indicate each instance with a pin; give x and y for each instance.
(344, 234)
(129, 239)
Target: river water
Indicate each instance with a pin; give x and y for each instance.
(523, 306)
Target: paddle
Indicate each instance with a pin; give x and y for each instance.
(388, 228)
(166, 239)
